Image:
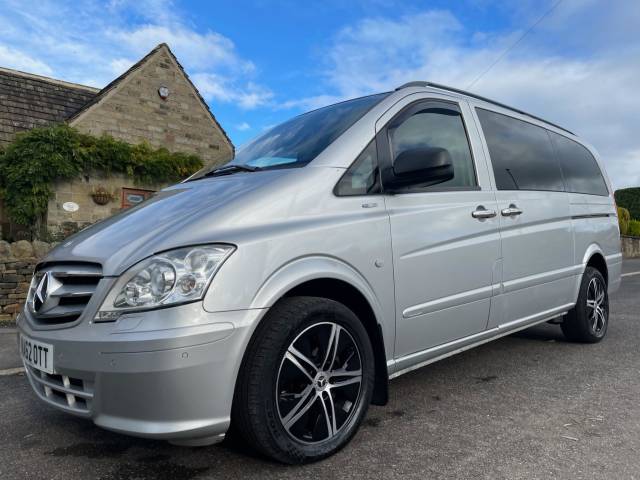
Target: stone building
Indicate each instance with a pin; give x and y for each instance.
(153, 101)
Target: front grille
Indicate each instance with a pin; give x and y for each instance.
(72, 394)
(66, 292)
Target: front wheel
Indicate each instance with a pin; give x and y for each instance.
(589, 319)
(306, 380)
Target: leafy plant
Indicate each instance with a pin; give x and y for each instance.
(623, 220)
(629, 198)
(36, 159)
(634, 228)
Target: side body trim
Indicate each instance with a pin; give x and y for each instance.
(420, 359)
(446, 302)
(591, 215)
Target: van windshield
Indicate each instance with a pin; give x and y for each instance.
(296, 142)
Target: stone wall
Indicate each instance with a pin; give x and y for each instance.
(80, 192)
(17, 261)
(134, 112)
(630, 247)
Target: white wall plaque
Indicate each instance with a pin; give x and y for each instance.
(70, 206)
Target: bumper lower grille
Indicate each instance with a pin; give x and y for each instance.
(60, 292)
(71, 394)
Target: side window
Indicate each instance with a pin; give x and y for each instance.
(442, 128)
(580, 169)
(521, 153)
(362, 177)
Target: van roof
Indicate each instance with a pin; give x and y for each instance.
(479, 97)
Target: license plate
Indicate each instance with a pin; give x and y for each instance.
(37, 354)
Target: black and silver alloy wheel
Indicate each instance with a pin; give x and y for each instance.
(305, 382)
(589, 319)
(319, 382)
(597, 305)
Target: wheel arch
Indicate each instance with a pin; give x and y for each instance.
(331, 278)
(594, 257)
(346, 294)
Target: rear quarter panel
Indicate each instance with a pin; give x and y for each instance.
(595, 227)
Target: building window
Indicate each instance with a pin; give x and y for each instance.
(134, 196)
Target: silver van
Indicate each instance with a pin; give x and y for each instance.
(279, 294)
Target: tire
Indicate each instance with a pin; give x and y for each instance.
(296, 417)
(588, 320)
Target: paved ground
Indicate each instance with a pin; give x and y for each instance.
(526, 406)
(8, 350)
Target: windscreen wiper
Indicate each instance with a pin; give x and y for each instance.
(228, 170)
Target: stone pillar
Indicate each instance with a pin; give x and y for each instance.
(17, 262)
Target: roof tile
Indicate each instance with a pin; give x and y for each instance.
(27, 101)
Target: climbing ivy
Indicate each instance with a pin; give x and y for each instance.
(36, 159)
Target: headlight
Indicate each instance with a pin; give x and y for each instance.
(170, 278)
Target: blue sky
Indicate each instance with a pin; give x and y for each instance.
(258, 62)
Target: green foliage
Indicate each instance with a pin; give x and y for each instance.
(634, 228)
(629, 198)
(38, 158)
(623, 220)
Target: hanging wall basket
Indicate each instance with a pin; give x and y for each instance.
(101, 196)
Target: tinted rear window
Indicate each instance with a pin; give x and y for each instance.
(521, 153)
(581, 171)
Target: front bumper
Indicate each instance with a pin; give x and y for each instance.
(131, 377)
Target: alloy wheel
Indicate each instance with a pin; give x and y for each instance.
(597, 306)
(319, 383)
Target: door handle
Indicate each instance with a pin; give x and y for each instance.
(481, 212)
(512, 211)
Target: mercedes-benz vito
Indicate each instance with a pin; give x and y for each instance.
(279, 293)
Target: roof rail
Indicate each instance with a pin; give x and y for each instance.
(479, 97)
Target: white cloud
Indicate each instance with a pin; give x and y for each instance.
(198, 50)
(378, 53)
(12, 58)
(93, 42)
(120, 65)
(243, 127)
(592, 93)
(246, 95)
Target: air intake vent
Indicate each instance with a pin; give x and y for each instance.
(72, 394)
(59, 293)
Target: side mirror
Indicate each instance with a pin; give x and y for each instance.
(422, 166)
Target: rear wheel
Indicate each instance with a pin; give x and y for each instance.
(589, 319)
(306, 381)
